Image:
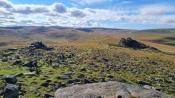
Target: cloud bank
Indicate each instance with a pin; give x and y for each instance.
(59, 14)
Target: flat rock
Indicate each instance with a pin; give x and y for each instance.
(108, 90)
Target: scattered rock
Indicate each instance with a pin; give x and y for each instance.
(31, 64)
(83, 69)
(63, 77)
(48, 96)
(81, 76)
(30, 74)
(37, 93)
(57, 86)
(1, 89)
(12, 49)
(17, 62)
(141, 82)
(148, 87)
(19, 74)
(45, 83)
(61, 56)
(68, 74)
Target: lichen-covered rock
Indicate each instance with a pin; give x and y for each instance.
(108, 90)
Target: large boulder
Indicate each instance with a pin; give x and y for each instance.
(131, 43)
(108, 90)
(11, 91)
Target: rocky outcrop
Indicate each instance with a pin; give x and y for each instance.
(39, 45)
(108, 90)
(131, 43)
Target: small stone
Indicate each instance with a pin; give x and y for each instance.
(17, 62)
(63, 77)
(143, 82)
(147, 87)
(83, 69)
(45, 84)
(81, 76)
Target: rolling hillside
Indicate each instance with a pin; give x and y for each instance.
(84, 37)
(74, 56)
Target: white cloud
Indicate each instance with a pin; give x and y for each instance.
(77, 13)
(5, 4)
(30, 9)
(83, 2)
(60, 8)
(156, 9)
(59, 14)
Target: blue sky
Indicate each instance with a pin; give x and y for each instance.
(127, 14)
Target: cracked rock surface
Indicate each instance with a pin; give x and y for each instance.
(108, 90)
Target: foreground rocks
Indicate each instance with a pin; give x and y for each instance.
(11, 89)
(41, 72)
(108, 90)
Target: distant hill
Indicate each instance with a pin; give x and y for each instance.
(84, 37)
(157, 31)
(28, 30)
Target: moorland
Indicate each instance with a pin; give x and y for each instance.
(44, 59)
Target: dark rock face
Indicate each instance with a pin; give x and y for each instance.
(143, 82)
(48, 96)
(31, 64)
(108, 90)
(11, 91)
(17, 62)
(39, 45)
(10, 79)
(130, 43)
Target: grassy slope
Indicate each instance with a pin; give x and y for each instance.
(96, 38)
(160, 38)
(126, 65)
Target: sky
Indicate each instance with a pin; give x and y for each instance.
(124, 14)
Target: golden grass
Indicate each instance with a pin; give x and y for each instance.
(87, 40)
